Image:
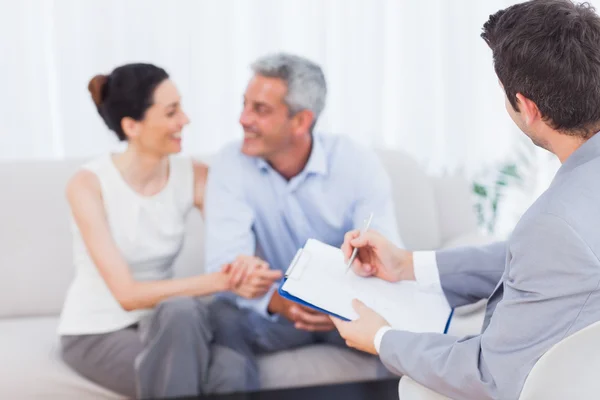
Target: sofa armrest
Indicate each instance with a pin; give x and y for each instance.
(408, 389)
(473, 238)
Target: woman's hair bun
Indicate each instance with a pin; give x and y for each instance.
(96, 88)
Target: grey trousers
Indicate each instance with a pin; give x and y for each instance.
(250, 334)
(171, 354)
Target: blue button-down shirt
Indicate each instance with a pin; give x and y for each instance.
(251, 209)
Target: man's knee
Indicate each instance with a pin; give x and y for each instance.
(231, 372)
(224, 316)
(230, 324)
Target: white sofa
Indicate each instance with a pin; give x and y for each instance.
(36, 268)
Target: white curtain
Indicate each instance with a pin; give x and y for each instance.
(402, 74)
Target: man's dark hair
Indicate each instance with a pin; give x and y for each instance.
(549, 51)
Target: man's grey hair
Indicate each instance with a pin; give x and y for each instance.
(306, 87)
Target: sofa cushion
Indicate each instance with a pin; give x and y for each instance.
(455, 207)
(318, 364)
(414, 199)
(31, 366)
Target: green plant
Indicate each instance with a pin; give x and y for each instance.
(489, 194)
(491, 187)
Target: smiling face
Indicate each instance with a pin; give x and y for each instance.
(265, 118)
(159, 132)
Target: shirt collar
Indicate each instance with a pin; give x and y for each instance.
(262, 164)
(316, 164)
(589, 150)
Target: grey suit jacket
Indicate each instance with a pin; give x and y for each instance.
(542, 285)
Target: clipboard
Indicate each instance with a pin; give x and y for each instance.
(296, 266)
(295, 270)
(295, 299)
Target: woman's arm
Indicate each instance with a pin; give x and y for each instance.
(85, 198)
(200, 175)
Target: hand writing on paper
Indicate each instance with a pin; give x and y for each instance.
(360, 333)
(250, 277)
(304, 318)
(378, 257)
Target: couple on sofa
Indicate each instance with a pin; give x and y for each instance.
(126, 324)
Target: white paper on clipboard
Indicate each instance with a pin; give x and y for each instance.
(318, 276)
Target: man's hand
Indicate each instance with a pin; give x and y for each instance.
(378, 257)
(360, 333)
(250, 277)
(303, 317)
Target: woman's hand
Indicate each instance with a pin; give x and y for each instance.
(250, 277)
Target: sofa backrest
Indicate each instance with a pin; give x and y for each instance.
(35, 237)
(35, 247)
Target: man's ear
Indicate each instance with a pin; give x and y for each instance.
(302, 122)
(528, 109)
(131, 127)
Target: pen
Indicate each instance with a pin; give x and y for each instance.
(355, 251)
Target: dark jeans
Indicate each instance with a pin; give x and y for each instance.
(250, 334)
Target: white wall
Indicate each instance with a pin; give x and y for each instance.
(410, 74)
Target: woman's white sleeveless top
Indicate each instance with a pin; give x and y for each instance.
(148, 231)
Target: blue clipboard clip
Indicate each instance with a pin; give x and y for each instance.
(294, 264)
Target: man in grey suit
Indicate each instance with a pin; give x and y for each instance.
(542, 285)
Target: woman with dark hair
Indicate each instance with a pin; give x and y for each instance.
(127, 324)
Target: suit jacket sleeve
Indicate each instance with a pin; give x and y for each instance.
(469, 274)
(552, 274)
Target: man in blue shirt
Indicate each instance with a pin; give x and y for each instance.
(281, 186)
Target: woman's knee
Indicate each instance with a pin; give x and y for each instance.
(177, 310)
(181, 317)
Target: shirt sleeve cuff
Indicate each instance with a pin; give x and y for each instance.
(426, 271)
(260, 305)
(379, 337)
